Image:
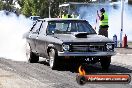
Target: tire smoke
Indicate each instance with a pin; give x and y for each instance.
(12, 28)
(113, 10)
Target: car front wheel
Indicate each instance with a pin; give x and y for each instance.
(53, 59)
(105, 62)
(31, 57)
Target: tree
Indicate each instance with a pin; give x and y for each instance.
(7, 5)
(26, 10)
(41, 7)
(1, 5)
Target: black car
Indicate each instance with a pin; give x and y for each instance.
(58, 40)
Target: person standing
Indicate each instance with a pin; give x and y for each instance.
(64, 15)
(73, 15)
(103, 22)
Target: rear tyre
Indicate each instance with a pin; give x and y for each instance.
(105, 63)
(53, 59)
(31, 57)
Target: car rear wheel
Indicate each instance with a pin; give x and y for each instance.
(105, 62)
(53, 59)
(31, 57)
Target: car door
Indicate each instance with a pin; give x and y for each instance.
(41, 42)
(33, 35)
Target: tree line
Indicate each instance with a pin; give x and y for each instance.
(35, 7)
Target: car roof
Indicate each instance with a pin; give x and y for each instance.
(59, 19)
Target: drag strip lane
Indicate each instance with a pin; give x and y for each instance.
(65, 78)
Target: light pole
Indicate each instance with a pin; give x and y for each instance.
(122, 11)
(49, 9)
(50, 2)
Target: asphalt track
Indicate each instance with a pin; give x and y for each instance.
(15, 74)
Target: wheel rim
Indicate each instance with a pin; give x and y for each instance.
(51, 55)
(27, 52)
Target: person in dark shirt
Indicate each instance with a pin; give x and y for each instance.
(103, 22)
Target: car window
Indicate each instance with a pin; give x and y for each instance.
(73, 27)
(69, 26)
(36, 28)
(83, 27)
(43, 28)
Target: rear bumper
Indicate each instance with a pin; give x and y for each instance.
(86, 53)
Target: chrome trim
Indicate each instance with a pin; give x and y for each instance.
(86, 45)
(86, 53)
(109, 43)
(86, 48)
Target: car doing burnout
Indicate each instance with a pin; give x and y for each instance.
(60, 40)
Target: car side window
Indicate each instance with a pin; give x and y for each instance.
(36, 28)
(51, 28)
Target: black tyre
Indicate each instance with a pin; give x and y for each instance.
(105, 62)
(31, 57)
(53, 59)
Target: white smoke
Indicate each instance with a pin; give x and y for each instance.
(114, 12)
(115, 22)
(12, 28)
